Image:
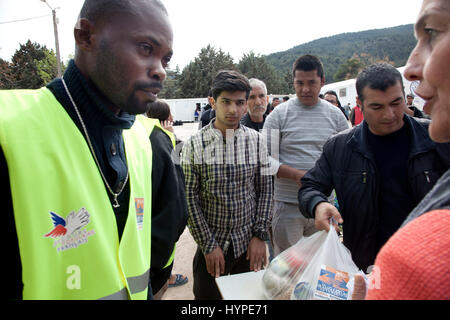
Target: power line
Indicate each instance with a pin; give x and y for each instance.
(4, 22)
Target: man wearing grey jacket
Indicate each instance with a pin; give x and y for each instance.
(297, 131)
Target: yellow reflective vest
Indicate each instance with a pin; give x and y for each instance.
(67, 232)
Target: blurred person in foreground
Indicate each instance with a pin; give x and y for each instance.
(415, 261)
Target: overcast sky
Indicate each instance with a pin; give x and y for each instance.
(235, 26)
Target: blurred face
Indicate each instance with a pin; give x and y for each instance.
(430, 64)
(275, 102)
(331, 99)
(383, 111)
(257, 102)
(230, 107)
(307, 86)
(409, 100)
(128, 57)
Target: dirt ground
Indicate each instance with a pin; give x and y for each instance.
(184, 255)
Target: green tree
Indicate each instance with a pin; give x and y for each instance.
(171, 89)
(256, 66)
(197, 76)
(6, 78)
(33, 66)
(289, 82)
(348, 69)
(354, 65)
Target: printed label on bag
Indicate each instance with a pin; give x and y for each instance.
(332, 284)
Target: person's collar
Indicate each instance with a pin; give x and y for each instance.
(236, 132)
(250, 117)
(420, 139)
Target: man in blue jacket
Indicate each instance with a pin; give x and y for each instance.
(380, 170)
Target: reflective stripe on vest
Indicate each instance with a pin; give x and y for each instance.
(66, 227)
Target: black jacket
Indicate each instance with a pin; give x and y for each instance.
(206, 117)
(348, 166)
(247, 121)
(169, 207)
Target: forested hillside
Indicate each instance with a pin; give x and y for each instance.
(348, 52)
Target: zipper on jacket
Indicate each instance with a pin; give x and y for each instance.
(364, 174)
(427, 176)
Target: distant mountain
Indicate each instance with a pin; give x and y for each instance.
(389, 44)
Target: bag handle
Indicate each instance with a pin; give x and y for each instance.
(333, 222)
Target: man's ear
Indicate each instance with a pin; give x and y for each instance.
(212, 102)
(83, 33)
(322, 81)
(359, 103)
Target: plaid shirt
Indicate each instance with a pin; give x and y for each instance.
(228, 187)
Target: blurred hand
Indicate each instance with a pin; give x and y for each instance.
(168, 125)
(215, 262)
(287, 172)
(359, 288)
(324, 212)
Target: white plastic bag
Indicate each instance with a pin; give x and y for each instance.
(329, 274)
(285, 269)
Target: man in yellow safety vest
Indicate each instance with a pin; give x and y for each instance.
(76, 166)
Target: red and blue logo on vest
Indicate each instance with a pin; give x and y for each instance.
(70, 232)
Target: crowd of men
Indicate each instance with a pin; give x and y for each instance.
(94, 202)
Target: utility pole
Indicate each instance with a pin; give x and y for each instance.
(55, 30)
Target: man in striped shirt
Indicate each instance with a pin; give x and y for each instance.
(297, 130)
(228, 189)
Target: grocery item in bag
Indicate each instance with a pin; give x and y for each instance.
(284, 270)
(329, 274)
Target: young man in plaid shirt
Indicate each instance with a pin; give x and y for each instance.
(228, 189)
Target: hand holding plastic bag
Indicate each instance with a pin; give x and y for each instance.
(330, 273)
(316, 267)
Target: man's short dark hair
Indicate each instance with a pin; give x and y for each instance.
(99, 10)
(379, 76)
(232, 81)
(308, 63)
